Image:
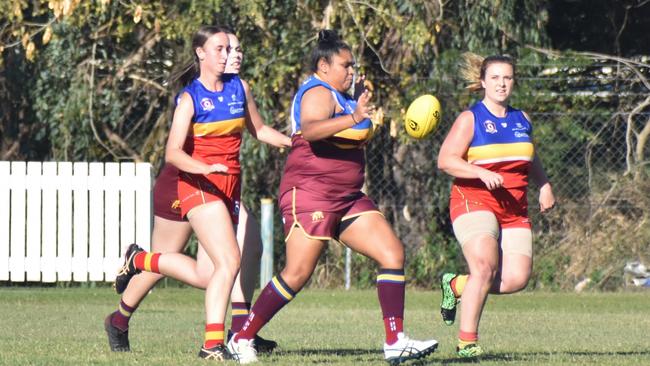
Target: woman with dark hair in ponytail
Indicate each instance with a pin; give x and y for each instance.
(489, 151)
(204, 141)
(171, 231)
(320, 199)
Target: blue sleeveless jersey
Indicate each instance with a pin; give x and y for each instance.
(502, 144)
(353, 137)
(219, 118)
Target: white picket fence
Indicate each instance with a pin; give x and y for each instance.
(63, 221)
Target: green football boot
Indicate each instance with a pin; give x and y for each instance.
(449, 301)
(472, 350)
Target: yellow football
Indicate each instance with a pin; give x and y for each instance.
(422, 116)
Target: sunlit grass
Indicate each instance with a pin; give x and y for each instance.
(64, 326)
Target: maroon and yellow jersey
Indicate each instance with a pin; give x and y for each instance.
(323, 169)
(331, 168)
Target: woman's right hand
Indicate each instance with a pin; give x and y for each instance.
(364, 109)
(491, 179)
(215, 168)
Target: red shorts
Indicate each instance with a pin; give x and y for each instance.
(196, 189)
(165, 194)
(510, 206)
(318, 218)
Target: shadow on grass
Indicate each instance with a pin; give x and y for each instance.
(533, 356)
(372, 355)
(329, 352)
(432, 359)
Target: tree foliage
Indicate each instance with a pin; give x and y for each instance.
(92, 80)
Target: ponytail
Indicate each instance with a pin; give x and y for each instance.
(191, 70)
(329, 44)
(474, 68)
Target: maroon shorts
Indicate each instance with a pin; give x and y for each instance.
(510, 206)
(165, 194)
(196, 189)
(321, 219)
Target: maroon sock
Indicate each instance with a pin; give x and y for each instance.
(274, 297)
(393, 325)
(390, 288)
(120, 318)
(240, 311)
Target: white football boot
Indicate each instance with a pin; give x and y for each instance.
(242, 351)
(408, 349)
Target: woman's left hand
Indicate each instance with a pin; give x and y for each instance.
(546, 198)
(364, 108)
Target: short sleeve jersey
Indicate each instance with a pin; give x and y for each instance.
(217, 123)
(502, 145)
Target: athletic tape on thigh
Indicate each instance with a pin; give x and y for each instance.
(468, 226)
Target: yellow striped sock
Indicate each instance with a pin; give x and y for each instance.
(458, 284)
(213, 335)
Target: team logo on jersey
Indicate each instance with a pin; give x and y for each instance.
(490, 127)
(206, 104)
(236, 110)
(317, 216)
(519, 127)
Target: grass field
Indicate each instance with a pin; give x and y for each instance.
(64, 327)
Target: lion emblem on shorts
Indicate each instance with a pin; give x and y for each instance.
(317, 216)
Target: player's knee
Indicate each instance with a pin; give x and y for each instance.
(392, 261)
(233, 264)
(391, 257)
(202, 279)
(296, 277)
(485, 272)
(515, 282)
(228, 266)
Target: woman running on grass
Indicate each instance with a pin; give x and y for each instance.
(320, 199)
(489, 151)
(203, 144)
(171, 231)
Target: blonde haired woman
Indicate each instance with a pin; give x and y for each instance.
(489, 151)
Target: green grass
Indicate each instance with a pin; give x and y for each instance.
(64, 326)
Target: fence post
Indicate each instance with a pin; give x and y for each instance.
(266, 221)
(348, 267)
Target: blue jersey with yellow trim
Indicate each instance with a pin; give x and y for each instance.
(353, 137)
(502, 144)
(217, 123)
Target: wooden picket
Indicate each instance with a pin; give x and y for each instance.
(71, 221)
(4, 220)
(17, 218)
